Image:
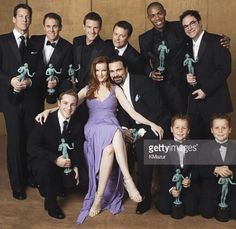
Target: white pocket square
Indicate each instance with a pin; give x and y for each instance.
(33, 53)
(137, 98)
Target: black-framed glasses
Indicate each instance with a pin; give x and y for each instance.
(190, 25)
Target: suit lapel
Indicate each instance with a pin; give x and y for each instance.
(132, 88)
(57, 54)
(203, 46)
(14, 47)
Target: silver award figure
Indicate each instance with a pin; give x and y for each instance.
(63, 147)
(163, 50)
(24, 72)
(223, 212)
(50, 72)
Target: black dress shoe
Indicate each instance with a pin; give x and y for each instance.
(56, 213)
(143, 206)
(19, 195)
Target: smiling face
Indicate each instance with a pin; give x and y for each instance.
(156, 15)
(22, 20)
(118, 72)
(220, 129)
(67, 106)
(52, 29)
(91, 30)
(180, 129)
(192, 27)
(120, 37)
(101, 72)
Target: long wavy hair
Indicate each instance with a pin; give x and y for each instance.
(94, 83)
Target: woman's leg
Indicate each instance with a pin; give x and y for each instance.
(104, 173)
(121, 157)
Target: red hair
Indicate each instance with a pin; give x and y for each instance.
(93, 81)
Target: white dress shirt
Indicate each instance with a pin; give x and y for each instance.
(48, 50)
(196, 45)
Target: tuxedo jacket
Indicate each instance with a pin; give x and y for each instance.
(132, 58)
(44, 140)
(99, 48)
(61, 58)
(212, 70)
(10, 61)
(172, 163)
(146, 101)
(208, 180)
(175, 39)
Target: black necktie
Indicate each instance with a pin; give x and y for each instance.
(53, 44)
(22, 47)
(65, 125)
(117, 52)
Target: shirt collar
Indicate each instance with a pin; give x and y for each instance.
(122, 50)
(198, 41)
(46, 39)
(17, 35)
(126, 82)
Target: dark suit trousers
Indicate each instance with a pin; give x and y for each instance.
(49, 177)
(18, 124)
(144, 171)
(210, 197)
(172, 97)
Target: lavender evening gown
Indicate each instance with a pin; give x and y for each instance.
(99, 131)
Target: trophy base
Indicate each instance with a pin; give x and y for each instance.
(177, 211)
(222, 214)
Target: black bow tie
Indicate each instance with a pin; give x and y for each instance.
(53, 44)
(222, 144)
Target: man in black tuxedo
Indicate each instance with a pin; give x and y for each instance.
(217, 161)
(46, 157)
(20, 100)
(210, 95)
(171, 82)
(145, 100)
(122, 31)
(56, 51)
(89, 46)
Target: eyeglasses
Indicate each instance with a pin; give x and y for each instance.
(190, 25)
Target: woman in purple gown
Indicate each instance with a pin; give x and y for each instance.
(104, 142)
(104, 146)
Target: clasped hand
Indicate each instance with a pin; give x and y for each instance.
(20, 85)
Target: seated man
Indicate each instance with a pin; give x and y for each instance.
(49, 146)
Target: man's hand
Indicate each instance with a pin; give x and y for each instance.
(52, 83)
(42, 117)
(62, 162)
(223, 171)
(18, 86)
(174, 192)
(186, 182)
(225, 41)
(156, 76)
(199, 94)
(191, 79)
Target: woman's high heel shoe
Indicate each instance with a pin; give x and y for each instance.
(132, 190)
(96, 207)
